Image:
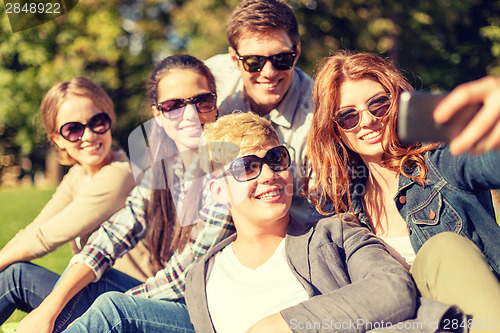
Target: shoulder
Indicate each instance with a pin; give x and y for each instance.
(339, 223)
(76, 171)
(118, 169)
(306, 82)
(115, 177)
(342, 230)
(443, 150)
(303, 89)
(221, 64)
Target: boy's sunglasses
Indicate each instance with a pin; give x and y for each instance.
(174, 108)
(348, 118)
(249, 167)
(73, 131)
(281, 61)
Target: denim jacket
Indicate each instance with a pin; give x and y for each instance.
(456, 197)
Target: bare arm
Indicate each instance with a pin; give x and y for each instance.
(42, 319)
(483, 132)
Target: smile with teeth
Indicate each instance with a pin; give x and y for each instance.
(269, 85)
(371, 135)
(191, 128)
(271, 194)
(96, 146)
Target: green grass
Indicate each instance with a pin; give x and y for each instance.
(18, 208)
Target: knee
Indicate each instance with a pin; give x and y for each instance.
(446, 250)
(108, 299)
(15, 269)
(447, 236)
(449, 245)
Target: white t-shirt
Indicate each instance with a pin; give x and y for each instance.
(238, 296)
(401, 249)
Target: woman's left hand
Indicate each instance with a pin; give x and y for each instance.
(483, 132)
(36, 321)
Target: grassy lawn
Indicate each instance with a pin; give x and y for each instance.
(19, 207)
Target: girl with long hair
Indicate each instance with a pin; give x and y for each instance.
(77, 116)
(168, 210)
(406, 194)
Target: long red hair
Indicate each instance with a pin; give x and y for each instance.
(332, 163)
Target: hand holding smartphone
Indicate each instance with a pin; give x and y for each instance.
(416, 122)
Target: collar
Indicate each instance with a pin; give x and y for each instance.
(284, 113)
(296, 228)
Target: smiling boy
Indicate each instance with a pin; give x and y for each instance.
(259, 74)
(282, 275)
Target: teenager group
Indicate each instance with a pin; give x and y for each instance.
(214, 236)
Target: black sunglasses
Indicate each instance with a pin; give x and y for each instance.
(174, 108)
(73, 131)
(348, 118)
(281, 61)
(249, 167)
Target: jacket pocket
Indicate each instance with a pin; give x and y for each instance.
(436, 215)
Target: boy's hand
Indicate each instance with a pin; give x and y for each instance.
(270, 324)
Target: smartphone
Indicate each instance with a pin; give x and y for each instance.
(416, 122)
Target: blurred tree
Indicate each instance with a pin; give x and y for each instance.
(111, 42)
(203, 23)
(442, 42)
(438, 44)
(492, 32)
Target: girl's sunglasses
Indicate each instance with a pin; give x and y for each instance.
(73, 131)
(174, 108)
(349, 117)
(255, 63)
(249, 167)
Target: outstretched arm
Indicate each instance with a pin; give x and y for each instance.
(67, 216)
(483, 132)
(120, 233)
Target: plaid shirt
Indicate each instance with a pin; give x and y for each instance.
(125, 228)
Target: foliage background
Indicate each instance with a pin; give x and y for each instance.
(437, 43)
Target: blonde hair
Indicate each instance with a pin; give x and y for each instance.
(243, 131)
(56, 96)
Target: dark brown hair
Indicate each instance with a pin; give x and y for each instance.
(165, 233)
(330, 159)
(261, 16)
(57, 95)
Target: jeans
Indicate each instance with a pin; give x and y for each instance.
(117, 312)
(24, 285)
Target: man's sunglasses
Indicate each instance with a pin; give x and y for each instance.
(249, 167)
(73, 131)
(174, 108)
(348, 118)
(281, 61)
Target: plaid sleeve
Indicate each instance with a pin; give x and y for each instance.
(116, 236)
(214, 225)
